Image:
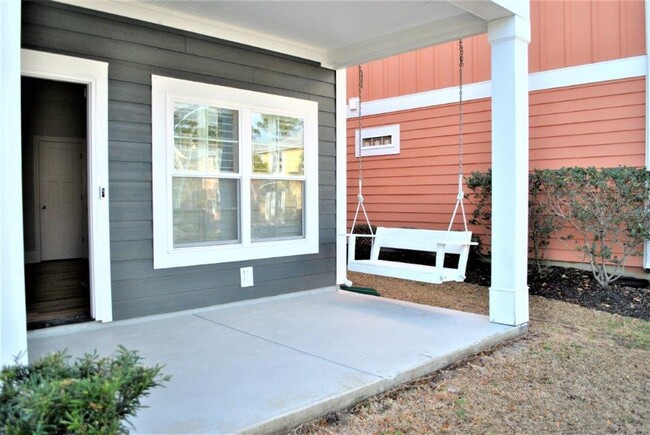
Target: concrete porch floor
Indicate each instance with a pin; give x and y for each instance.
(267, 365)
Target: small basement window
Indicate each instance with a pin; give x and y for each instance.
(377, 141)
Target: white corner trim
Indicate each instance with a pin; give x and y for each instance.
(578, 75)
(177, 20)
(94, 75)
(341, 176)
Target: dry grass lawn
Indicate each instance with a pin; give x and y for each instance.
(577, 371)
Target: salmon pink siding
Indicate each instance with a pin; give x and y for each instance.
(564, 33)
(600, 124)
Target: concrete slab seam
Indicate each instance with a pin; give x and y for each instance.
(93, 326)
(289, 347)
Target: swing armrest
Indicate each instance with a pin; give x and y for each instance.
(361, 235)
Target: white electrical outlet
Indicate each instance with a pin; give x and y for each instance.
(246, 274)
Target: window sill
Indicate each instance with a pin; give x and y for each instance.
(195, 256)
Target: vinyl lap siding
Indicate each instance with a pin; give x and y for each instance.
(599, 125)
(418, 187)
(134, 51)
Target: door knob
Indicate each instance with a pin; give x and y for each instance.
(43, 207)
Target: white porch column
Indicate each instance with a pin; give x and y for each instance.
(341, 175)
(509, 38)
(13, 324)
(646, 250)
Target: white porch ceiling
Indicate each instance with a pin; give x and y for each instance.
(334, 33)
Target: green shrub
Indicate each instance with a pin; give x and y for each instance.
(606, 208)
(480, 184)
(542, 224)
(91, 395)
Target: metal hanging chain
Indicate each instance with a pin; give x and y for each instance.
(461, 62)
(360, 206)
(461, 194)
(359, 137)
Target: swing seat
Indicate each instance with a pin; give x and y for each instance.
(438, 242)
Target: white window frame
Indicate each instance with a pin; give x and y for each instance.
(165, 91)
(377, 150)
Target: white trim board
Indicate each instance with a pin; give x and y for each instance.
(94, 75)
(13, 323)
(572, 76)
(341, 176)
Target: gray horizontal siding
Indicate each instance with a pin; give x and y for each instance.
(135, 51)
(139, 269)
(129, 151)
(151, 287)
(124, 309)
(130, 211)
(101, 47)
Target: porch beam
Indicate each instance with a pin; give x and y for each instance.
(13, 322)
(509, 38)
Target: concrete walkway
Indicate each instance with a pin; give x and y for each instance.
(269, 365)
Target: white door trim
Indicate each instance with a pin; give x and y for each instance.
(94, 75)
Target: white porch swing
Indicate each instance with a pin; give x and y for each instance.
(434, 241)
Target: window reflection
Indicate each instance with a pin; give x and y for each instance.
(205, 210)
(206, 138)
(277, 208)
(278, 144)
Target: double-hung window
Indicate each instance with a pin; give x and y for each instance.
(235, 174)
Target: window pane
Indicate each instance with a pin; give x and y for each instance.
(278, 144)
(205, 138)
(276, 208)
(205, 211)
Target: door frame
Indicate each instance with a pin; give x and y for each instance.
(94, 75)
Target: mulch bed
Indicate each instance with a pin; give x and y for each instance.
(625, 297)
